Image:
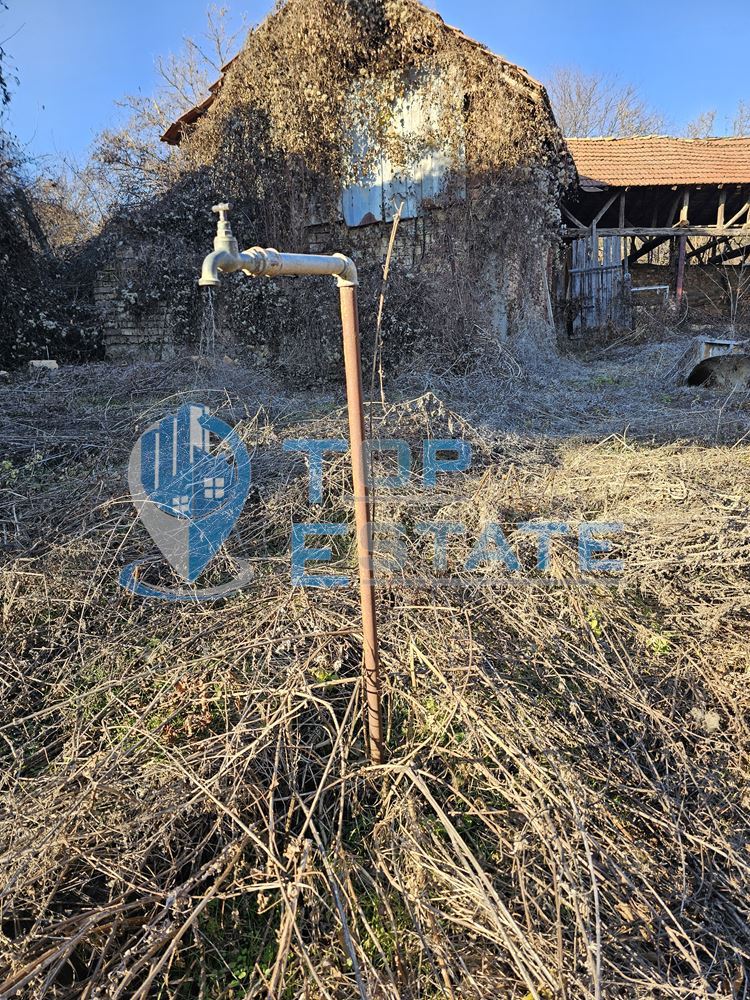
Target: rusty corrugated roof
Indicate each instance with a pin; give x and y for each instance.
(174, 133)
(644, 161)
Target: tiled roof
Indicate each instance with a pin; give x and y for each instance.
(174, 133)
(647, 160)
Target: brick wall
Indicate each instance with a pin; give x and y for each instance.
(704, 286)
(130, 334)
(512, 298)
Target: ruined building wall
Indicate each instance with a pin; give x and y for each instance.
(471, 268)
(513, 300)
(131, 333)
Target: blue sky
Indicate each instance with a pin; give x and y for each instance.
(74, 58)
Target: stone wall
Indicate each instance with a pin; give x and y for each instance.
(516, 301)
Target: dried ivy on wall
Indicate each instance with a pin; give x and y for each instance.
(278, 142)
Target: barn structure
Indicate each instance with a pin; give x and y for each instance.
(655, 214)
(463, 147)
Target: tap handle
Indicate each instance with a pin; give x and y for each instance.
(221, 210)
(224, 239)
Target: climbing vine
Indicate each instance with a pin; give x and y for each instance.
(284, 137)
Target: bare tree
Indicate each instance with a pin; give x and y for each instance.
(741, 123)
(64, 209)
(702, 126)
(4, 87)
(593, 104)
(129, 162)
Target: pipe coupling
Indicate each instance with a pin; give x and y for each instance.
(259, 263)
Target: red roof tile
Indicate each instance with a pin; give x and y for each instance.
(648, 160)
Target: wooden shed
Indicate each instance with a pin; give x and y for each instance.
(646, 208)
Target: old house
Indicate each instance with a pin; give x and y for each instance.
(656, 215)
(334, 119)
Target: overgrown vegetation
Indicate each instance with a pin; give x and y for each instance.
(46, 291)
(46, 303)
(188, 810)
(310, 100)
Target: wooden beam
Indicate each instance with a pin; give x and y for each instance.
(621, 222)
(723, 258)
(576, 222)
(649, 233)
(684, 207)
(647, 247)
(706, 248)
(602, 211)
(607, 205)
(745, 208)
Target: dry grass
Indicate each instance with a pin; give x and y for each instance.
(187, 806)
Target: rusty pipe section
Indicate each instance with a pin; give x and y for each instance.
(362, 511)
(257, 262)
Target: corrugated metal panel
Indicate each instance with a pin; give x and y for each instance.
(434, 173)
(380, 198)
(400, 185)
(363, 203)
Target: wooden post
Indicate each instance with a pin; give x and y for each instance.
(681, 271)
(623, 240)
(685, 205)
(672, 212)
(722, 208)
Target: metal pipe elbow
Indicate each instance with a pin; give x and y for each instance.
(347, 278)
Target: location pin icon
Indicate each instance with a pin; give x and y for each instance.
(187, 496)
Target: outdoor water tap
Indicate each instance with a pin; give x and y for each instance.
(226, 249)
(224, 238)
(257, 262)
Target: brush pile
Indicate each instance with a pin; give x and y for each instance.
(188, 809)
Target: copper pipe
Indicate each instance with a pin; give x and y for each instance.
(353, 368)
